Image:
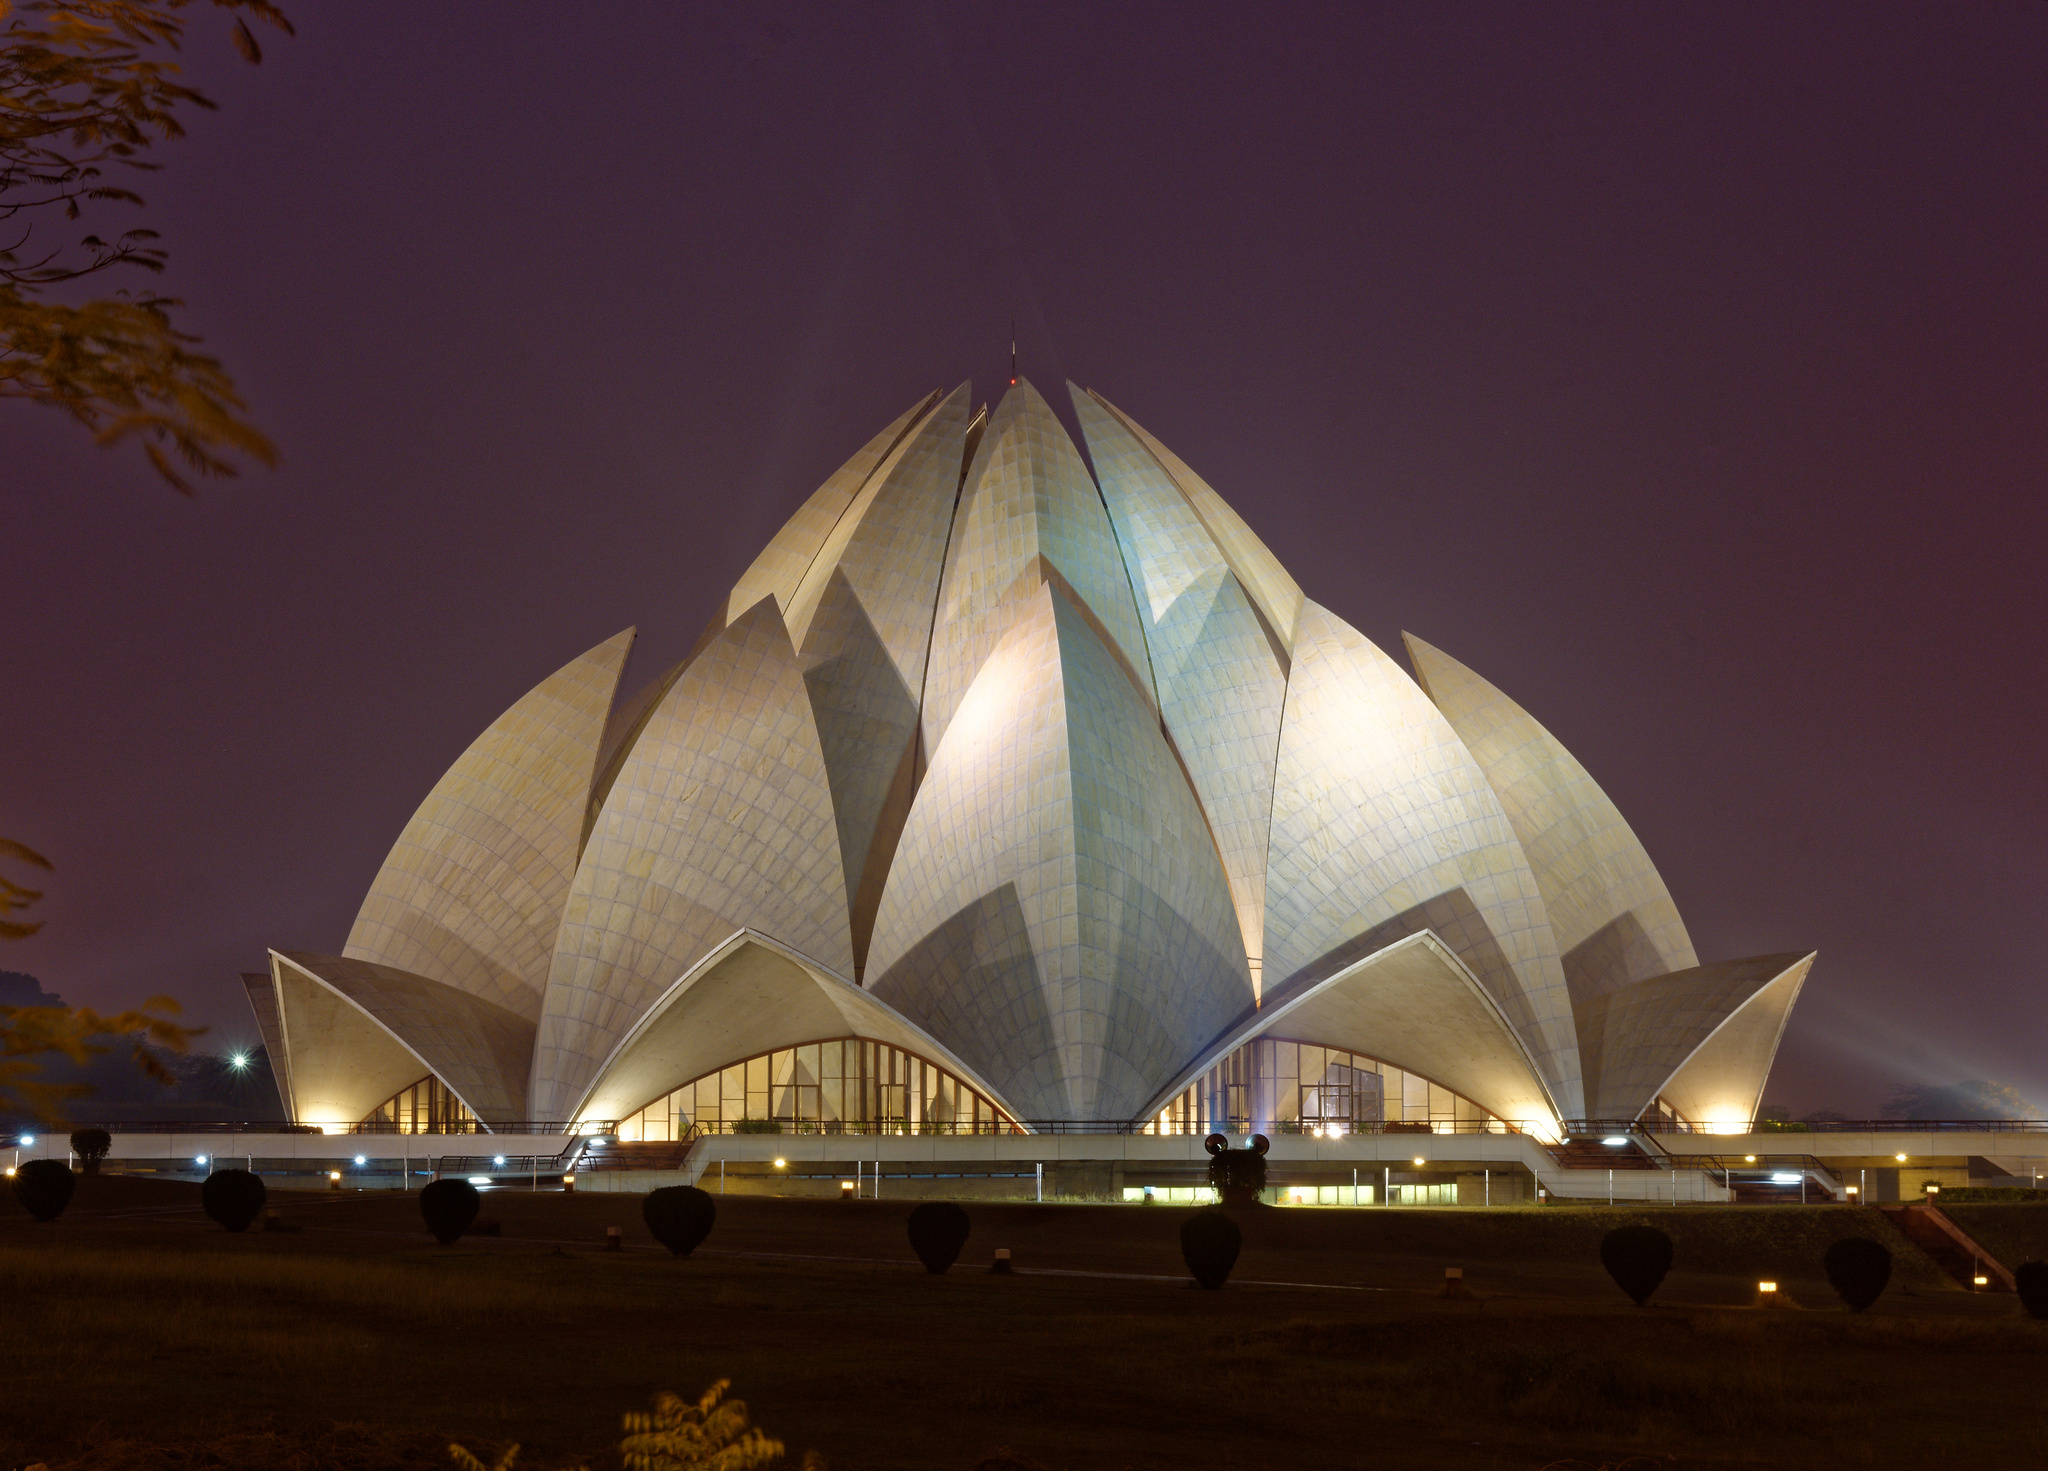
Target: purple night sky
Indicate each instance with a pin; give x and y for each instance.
(1679, 368)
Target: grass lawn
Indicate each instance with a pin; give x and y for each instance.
(135, 1334)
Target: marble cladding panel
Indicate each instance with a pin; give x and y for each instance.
(1635, 1039)
(1027, 496)
(1379, 811)
(1277, 595)
(1056, 914)
(1221, 686)
(720, 819)
(480, 1051)
(780, 567)
(1613, 919)
(473, 889)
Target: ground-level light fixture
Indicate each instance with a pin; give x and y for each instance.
(846, 1189)
(1766, 1287)
(1981, 1280)
(1854, 1189)
(1931, 1188)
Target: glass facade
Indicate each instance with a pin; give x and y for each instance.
(424, 1108)
(1277, 1086)
(849, 1085)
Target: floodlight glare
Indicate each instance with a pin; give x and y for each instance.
(28, 1139)
(479, 1179)
(1900, 1158)
(1784, 1179)
(361, 1160)
(498, 1160)
(780, 1163)
(238, 1061)
(200, 1160)
(1418, 1159)
(1612, 1139)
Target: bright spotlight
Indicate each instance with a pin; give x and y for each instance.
(1613, 1140)
(781, 1163)
(479, 1179)
(30, 1139)
(200, 1160)
(239, 1060)
(361, 1160)
(1418, 1161)
(1784, 1179)
(498, 1160)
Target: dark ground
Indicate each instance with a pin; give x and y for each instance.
(135, 1334)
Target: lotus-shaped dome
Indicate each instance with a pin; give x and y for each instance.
(1003, 791)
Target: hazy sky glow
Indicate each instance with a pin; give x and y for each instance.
(1678, 368)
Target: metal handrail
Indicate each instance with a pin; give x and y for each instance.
(1808, 1126)
(377, 1126)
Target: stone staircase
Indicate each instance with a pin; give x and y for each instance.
(1952, 1249)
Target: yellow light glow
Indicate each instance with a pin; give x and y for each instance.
(1418, 1159)
(1749, 1159)
(568, 1179)
(334, 1174)
(780, 1163)
(1727, 1120)
(1900, 1158)
(1853, 1189)
(1766, 1287)
(1981, 1280)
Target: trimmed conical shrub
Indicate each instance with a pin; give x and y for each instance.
(679, 1216)
(232, 1197)
(2031, 1282)
(938, 1229)
(448, 1207)
(1858, 1269)
(91, 1146)
(1209, 1243)
(1636, 1257)
(44, 1186)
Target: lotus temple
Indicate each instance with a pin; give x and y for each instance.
(1018, 803)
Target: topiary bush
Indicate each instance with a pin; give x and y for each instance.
(938, 1229)
(448, 1206)
(1858, 1269)
(2031, 1282)
(1636, 1257)
(44, 1186)
(1209, 1244)
(1238, 1175)
(91, 1146)
(680, 1217)
(234, 1198)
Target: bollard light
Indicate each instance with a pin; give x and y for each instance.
(1981, 1280)
(1766, 1287)
(334, 1179)
(569, 1184)
(846, 1189)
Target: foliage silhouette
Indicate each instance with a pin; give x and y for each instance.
(84, 92)
(448, 1207)
(2031, 1282)
(938, 1229)
(1858, 1269)
(679, 1216)
(234, 1198)
(1209, 1244)
(1238, 1175)
(91, 1146)
(44, 1186)
(1636, 1257)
